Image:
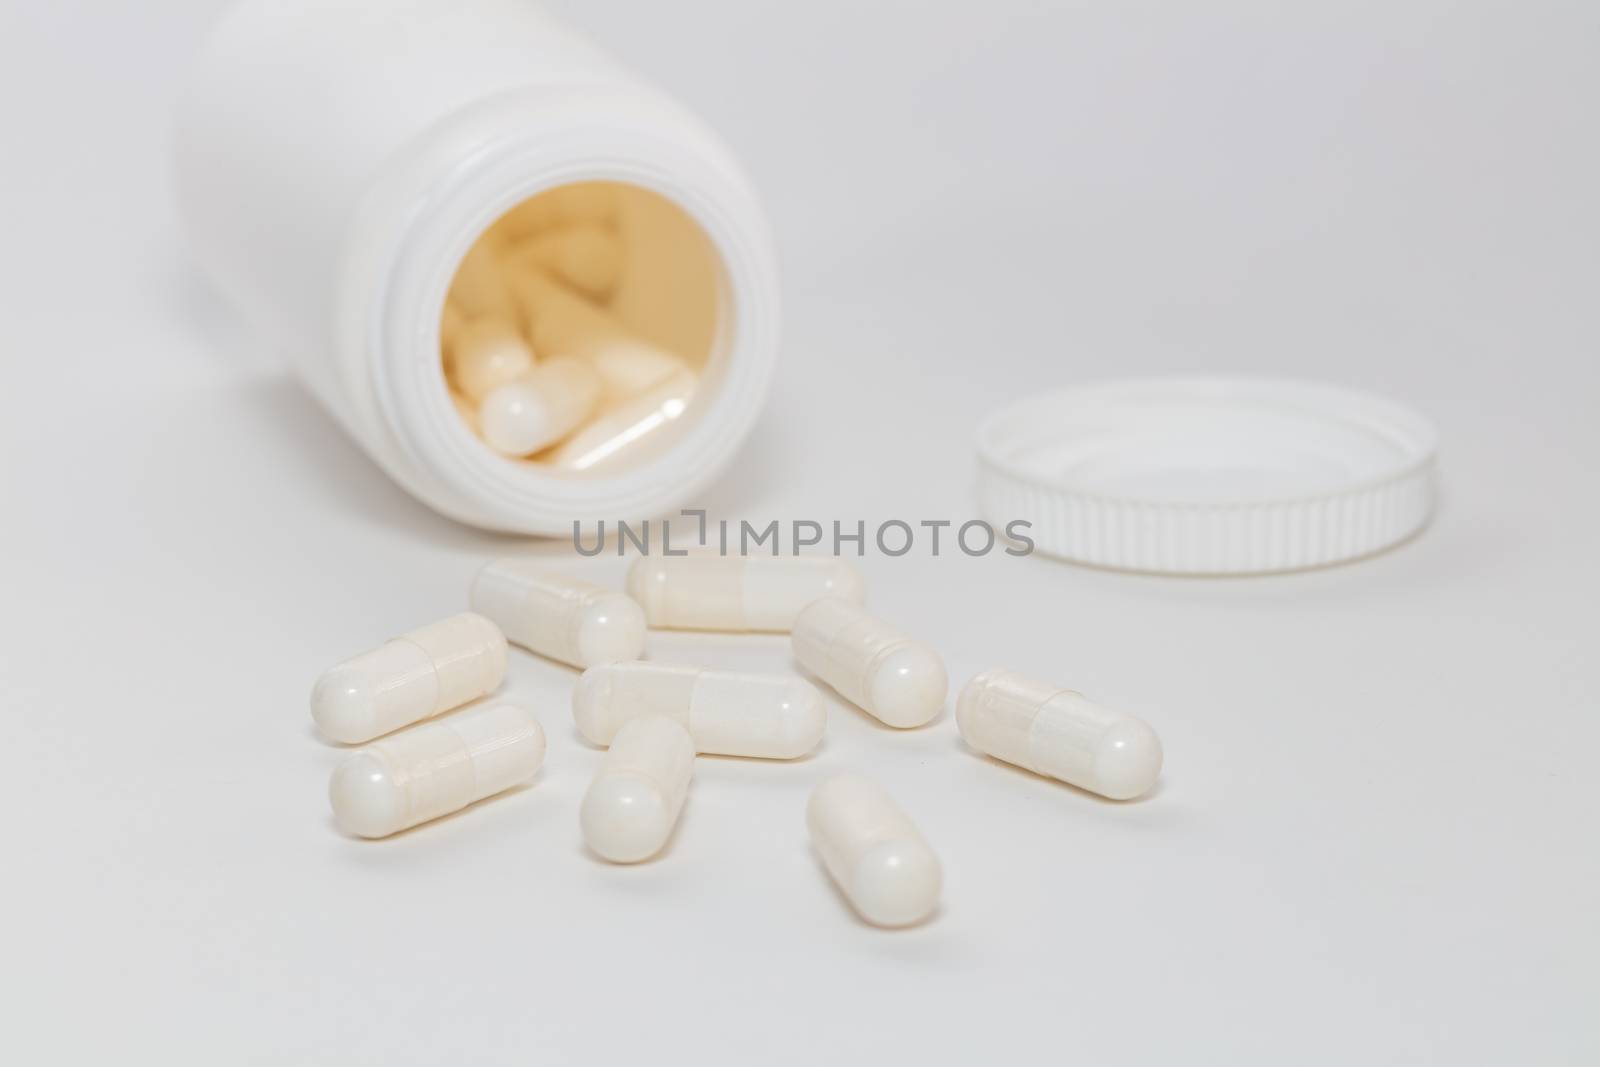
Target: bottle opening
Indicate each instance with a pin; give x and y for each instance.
(581, 329)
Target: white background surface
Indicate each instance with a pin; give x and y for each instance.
(1376, 839)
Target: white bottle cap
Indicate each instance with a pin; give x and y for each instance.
(1208, 475)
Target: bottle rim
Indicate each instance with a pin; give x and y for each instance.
(461, 177)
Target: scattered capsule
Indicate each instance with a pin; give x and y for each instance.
(563, 618)
(633, 802)
(1057, 733)
(435, 769)
(772, 716)
(488, 353)
(742, 593)
(872, 850)
(627, 429)
(540, 408)
(412, 677)
(900, 681)
(479, 288)
(586, 257)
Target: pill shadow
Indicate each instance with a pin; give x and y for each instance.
(343, 747)
(722, 757)
(1054, 784)
(584, 742)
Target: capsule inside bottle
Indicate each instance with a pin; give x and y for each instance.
(540, 407)
(607, 273)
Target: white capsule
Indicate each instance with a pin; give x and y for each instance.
(435, 769)
(1057, 733)
(633, 802)
(586, 257)
(629, 368)
(900, 681)
(539, 408)
(410, 678)
(560, 322)
(772, 716)
(627, 429)
(872, 850)
(479, 288)
(487, 354)
(741, 593)
(557, 616)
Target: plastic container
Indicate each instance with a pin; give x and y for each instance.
(336, 160)
(1209, 475)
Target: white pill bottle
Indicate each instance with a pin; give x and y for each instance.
(336, 159)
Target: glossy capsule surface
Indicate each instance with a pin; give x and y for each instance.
(1057, 733)
(727, 713)
(899, 681)
(434, 769)
(738, 593)
(564, 618)
(873, 851)
(485, 355)
(629, 428)
(560, 322)
(633, 802)
(540, 407)
(410, 678)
